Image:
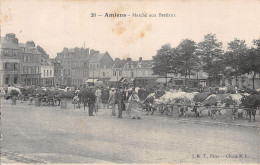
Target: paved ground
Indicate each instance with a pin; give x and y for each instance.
(53, 135)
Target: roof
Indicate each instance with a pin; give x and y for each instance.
(7, 44)
(162, 80)
(96, 57)
(29, 49)
(92, 80)
(120, 64)
(127, 80)
(71, 50)
(134, 63)
(115, 78)
(146, 63)
(22, 45)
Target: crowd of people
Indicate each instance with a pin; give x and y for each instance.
(117, 99)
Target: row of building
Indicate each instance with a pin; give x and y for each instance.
(26, 64)
(23, 64)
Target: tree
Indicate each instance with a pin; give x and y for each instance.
(186, 57)
(210, 52)
(163, 61)
(234, 58)
(252, 61)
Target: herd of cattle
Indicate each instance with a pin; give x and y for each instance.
(171, 103)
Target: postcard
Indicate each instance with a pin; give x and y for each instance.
(130, 82)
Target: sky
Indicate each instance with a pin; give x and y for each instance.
(55, 24)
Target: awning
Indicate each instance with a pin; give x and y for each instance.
(92, 80)
(122, 80)
(115, 79)
(162, 80)
(126, 80)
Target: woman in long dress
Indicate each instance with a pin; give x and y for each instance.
(134, 110)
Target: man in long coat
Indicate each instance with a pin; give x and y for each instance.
(120, 97)
(91, 101)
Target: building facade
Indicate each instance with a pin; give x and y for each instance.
(47, 75)
(80, 75)
(99, 67)
(137, 72)
(30, 64)
(58, 73)
(10, 66)
(71, 59)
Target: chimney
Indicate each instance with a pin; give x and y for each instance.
(117, 59)
(11, 37)
(31, 43)
(93, 51)
(140, 59)
(87, 51)
(65, 49)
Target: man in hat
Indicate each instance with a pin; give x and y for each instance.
(112, 101)
(91, 101)
(104, 97)
(120, 97)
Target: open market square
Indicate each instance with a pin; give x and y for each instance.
(50, 134)
(129, 82)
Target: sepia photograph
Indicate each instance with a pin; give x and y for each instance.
(130, 82)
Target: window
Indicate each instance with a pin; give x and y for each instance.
(97, 65)
(114, 73)
(26, 58)
(47, 72)
(7, 79)
(15, 79)
(68, 71)
(44, 73)
(7, 66)
(104, 74)
(28, 70)
(50, 72)
(6, 52)
(24, 69)
(37, 69)
(120, 73)
(15, 52)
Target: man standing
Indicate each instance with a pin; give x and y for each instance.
(104, 97)
(120, 97)
(91, 102)
(98, 98)
(112, 100)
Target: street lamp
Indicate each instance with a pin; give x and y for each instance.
(117, 78)
(93, 74)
